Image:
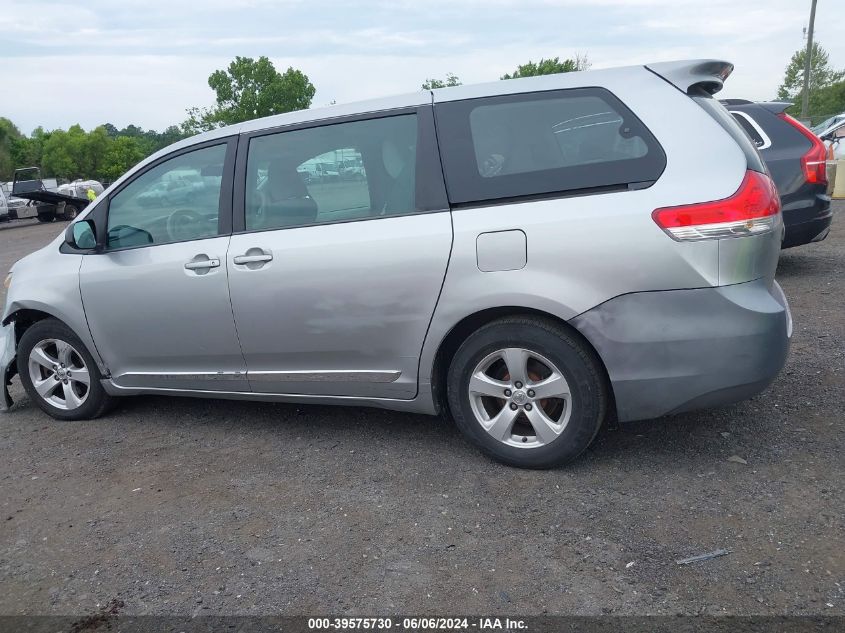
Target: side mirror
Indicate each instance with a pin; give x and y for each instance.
(835, 135)
(82, 235)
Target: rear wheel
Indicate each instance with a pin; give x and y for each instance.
(528, 392)
(58, 373)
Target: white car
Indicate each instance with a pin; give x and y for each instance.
(832, 131)
(15, 207)
(836, 138)
(828, 125)
(79, 188)
(4, 207)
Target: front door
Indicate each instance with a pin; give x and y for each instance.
(336, 272)
(157, 300)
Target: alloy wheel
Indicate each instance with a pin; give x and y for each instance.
(59, 374)
(520, 397)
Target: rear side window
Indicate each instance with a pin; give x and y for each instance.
(721, 115)
(543, 143)
(750, 127)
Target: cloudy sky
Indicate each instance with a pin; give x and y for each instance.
(146, 61)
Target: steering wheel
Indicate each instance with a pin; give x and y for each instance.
(182, 224)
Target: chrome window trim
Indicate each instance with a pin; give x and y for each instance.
(767, 142)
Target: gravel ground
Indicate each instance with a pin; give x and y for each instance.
(177, 506)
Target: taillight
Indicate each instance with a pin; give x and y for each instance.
(752, 210)
(813, 163)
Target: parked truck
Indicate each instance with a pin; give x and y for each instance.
(47, 199)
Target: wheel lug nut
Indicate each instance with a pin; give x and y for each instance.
(530, 393)
(518, 385)
(508, 393)
(513, 406)
(528, 407)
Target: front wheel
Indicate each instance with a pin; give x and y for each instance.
(528, 392)
(44, 217)
(58, 373)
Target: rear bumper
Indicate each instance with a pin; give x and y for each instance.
(678, 350)
(8, 366)
(805, 224)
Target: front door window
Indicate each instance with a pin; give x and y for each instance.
(175, 201)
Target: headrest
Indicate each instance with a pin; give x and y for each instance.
(284, 179)
(393, 158)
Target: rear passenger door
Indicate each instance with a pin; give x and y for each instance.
(342, 238)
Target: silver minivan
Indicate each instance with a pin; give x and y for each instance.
(529, 256)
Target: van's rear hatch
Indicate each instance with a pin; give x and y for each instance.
(742, 257)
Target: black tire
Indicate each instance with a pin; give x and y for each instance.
(96, 402)
(573, 358)
(43, 217)
(70, 212)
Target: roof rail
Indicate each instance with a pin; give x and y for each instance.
(705, 74)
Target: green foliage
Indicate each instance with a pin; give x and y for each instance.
(10, 137)
(64, 154)
(451, 80)
(823, 80)
(247, 89)
(823, 103)
(550, 66)
(104, 153)
(122, 153)
(250, 89)
(27, 152)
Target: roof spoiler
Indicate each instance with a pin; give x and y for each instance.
(706, 74)
(775, 107)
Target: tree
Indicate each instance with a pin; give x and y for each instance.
(66, 154)
(10, 136)
(104, 153)
(550, 66)
(826, 101)
(821, 74)
(250, 89)
(123, 153)
(170, 135)
(451, 80)
(97, 145)
(28, 152)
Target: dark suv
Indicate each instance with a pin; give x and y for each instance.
(796, 160)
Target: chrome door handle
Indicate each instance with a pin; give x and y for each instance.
(203, 264)
(253, 259)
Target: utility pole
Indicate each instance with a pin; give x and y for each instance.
(805, 95)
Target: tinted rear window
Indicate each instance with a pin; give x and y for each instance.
(543, 143)
(721, 115)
